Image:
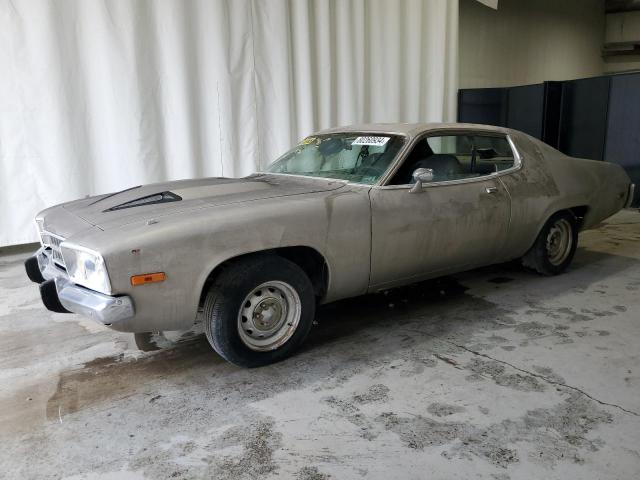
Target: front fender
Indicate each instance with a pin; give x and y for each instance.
(336, 224)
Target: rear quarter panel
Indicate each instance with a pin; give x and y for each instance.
(599, 185)
(550, 181)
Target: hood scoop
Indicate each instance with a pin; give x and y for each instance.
(163, 197)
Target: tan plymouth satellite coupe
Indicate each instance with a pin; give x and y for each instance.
(347, 211)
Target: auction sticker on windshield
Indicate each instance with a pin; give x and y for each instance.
(374, 141)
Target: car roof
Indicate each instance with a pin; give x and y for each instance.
(413, 129)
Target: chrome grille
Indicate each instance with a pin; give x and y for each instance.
(53, 242)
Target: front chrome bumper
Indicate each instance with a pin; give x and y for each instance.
(59, 294)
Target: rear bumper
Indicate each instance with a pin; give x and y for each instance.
(60, 295)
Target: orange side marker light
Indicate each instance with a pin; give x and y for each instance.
(148, 278)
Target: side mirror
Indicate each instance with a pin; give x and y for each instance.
(421, 175)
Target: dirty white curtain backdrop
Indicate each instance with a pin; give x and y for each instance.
(100, 95)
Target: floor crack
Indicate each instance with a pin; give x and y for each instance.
(537, 375)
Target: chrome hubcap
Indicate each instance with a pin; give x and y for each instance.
(269, 316)
(559, 242)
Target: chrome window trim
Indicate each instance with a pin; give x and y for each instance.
(408, 146)
(517, 160)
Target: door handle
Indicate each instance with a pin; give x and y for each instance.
(491, 189)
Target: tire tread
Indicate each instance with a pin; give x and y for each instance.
(537, 258)
(221, 315)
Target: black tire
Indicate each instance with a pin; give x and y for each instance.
(540, 258)
(227, 296)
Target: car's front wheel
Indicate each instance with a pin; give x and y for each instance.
(555, 246)
(259, 310)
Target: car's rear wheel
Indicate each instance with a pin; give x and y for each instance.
(259, 310)
(555, 246)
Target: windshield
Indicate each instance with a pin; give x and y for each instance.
(354, 157)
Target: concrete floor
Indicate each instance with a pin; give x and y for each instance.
(496, 373)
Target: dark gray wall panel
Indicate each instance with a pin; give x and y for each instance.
(583, 123)
(623, 126)
(526, 108)
(483, 105)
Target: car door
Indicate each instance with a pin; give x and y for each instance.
(457, 221)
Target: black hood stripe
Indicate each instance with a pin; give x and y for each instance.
(162, 197)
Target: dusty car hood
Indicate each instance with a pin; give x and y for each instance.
(159, 199)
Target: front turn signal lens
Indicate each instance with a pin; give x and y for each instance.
(148, 278)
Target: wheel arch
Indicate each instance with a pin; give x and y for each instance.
(579, 211)
(310, 260)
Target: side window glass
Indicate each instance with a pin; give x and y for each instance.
(493, 154)
(458, 145)
(447, 156)
(456, 157)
